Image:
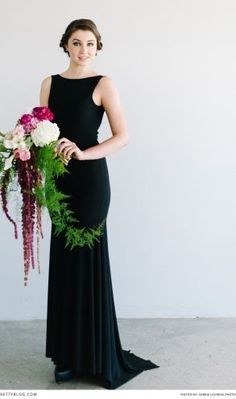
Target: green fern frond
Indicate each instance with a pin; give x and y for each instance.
(49, 196)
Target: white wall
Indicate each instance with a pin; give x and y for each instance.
(172, 219)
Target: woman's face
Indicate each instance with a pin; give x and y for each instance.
(82, 47)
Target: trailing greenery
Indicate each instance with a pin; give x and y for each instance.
(50, 197)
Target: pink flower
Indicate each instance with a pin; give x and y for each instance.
(22, 154)
(42, 113)
(19, 131)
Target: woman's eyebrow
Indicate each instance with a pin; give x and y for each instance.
(90, 40)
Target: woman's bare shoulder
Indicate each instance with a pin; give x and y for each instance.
(108, 93)
(106, 80)
(46, 81)
(107, 85)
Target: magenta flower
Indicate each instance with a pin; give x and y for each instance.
(28, 121)
(25, 119)
(42, 113)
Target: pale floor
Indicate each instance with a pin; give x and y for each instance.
(192, 354)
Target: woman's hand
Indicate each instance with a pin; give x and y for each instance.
(67, 149)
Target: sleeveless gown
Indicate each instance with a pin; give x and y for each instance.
(81, 327)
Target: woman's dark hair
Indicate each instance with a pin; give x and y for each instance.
(83, 24)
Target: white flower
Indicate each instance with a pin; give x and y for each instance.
(45, 133)
(8, 162)
(10, 141)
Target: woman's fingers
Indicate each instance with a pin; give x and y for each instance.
(64, 146)
(69, 150)
(62, 140)
(61, 147)
(66, 149)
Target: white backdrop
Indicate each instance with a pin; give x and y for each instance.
(172, 218)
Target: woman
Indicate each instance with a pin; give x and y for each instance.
(82, 331)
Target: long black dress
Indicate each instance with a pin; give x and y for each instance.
(82, 331)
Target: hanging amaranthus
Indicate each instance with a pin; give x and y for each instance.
(27, 156)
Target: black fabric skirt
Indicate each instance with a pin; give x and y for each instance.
(82, 330)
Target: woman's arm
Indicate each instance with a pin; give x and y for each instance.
(44, 91)
(110, 100)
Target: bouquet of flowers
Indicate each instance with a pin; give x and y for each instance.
(28, 162)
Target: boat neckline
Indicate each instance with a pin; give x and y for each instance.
(88, 77)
